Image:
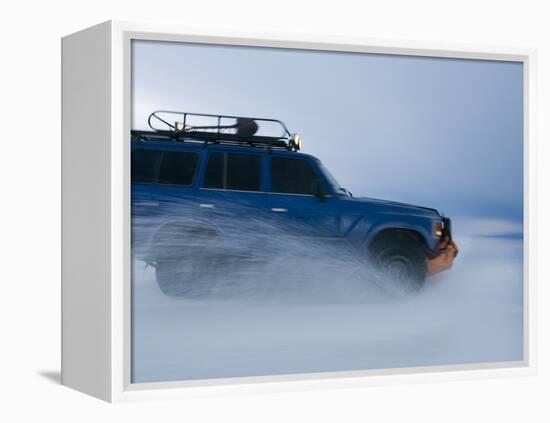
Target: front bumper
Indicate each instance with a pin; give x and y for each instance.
(445, 252)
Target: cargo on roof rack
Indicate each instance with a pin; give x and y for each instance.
(219, 129)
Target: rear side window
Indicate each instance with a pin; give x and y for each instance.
(293, 176)
(235, 171)
(145, 165)
(164, 167)
(178, 168)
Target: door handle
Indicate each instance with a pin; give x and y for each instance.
(147, 203)
(279, 210)
(206, 206)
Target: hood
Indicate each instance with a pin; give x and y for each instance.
(397, 207)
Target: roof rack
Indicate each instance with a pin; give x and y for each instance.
(220, 129)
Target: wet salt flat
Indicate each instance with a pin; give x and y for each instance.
(313, 315)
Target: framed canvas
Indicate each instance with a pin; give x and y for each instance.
(266, 212)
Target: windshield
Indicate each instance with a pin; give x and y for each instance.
(337, 188)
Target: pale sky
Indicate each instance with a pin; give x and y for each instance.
(444, 133)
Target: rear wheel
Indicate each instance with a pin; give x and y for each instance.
(184, 266)
(183, 276)
(400, 262)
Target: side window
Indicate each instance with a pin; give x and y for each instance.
(243, 172)
(178, 168)
(164, 167)
(235, 171)
(145, 165)
(292, 176)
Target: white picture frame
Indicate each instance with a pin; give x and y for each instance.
(96, 265)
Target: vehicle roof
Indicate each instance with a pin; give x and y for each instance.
(190, 144)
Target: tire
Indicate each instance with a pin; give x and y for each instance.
(183, 277)
(183, 264)
(400, 262)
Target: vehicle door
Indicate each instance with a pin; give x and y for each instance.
(301, 198)
(232, 192)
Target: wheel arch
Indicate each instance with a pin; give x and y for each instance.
(174, 234)
(185, 226)
(394, 233)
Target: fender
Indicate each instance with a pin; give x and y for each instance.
(368, 227)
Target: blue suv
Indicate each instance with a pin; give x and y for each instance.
(205, 186)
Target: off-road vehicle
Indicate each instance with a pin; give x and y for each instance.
(205, 188)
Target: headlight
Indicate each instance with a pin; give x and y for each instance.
(438, 230)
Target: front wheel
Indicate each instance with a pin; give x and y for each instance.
(401, 264)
